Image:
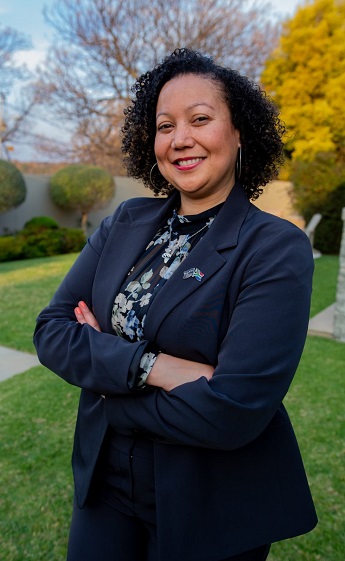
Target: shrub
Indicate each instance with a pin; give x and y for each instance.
(82, 188)
(53, 242)
(44, 243)
(39, 223)
(11, 248)
(328, 233)
(319, 188)
(12, 186)
(313, 182)
(74, 240)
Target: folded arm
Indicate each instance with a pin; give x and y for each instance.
(168, 372)
(256, 362)
(78, 351)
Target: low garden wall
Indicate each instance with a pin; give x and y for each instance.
(39, 203)
(275, 199)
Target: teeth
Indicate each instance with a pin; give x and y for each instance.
(189, 162)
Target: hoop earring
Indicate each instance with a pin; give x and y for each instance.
(151, 170)
(152, 182)
(239, 163)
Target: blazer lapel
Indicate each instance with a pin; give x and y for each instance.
(129, 237)
(126, 243)
(208, 256)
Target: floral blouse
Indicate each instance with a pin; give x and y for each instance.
(163, 255)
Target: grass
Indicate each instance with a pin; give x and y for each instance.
(316, 407)
(324, 284)
(37, 416)
(25, 288)
(37, 413)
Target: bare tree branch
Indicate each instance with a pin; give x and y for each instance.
(11, 41)
(102, 46)
(12, 120)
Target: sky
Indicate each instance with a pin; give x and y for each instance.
(26, 16)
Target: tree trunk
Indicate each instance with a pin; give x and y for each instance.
(84, 217)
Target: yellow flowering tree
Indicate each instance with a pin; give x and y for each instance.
(305, 76)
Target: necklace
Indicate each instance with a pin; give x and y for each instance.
(179, 245)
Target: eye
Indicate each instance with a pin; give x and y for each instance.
(164, 127)
(201, 119)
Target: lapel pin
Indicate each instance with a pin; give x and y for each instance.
(195, 273)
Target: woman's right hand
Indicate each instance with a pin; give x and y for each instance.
(168, 372)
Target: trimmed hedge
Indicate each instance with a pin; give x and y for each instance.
(39, 223)
(81, 187)
(44, 243)
(12, 186)
(11, 248)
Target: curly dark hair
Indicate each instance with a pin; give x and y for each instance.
(253, 114)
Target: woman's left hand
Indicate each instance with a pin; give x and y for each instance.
(84, 315)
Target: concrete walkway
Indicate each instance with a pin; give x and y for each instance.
(14, 362)
(322, 323)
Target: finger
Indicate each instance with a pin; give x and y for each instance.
(79, 316)
(89, 318)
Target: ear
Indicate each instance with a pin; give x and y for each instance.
(238, 137)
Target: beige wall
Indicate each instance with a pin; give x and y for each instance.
(39, 203)
(275, 199)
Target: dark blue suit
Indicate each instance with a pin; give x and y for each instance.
(229, 476)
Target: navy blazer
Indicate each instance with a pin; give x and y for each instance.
(229, 476)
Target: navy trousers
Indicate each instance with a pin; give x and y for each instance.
(118, 523)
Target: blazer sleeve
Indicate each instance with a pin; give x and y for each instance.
(100, 362)
(257, 359)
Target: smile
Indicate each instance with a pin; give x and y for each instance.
(188, 162)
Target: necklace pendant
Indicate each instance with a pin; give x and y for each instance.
(166, 255)
(168, 252)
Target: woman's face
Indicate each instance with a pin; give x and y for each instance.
(196, 143)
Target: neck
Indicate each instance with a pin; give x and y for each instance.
(190, 206)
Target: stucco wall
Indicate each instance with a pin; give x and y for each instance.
(39, 203)
(275, 199)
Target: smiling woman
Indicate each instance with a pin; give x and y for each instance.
(183, 448)
(170, 108)
(196, 143)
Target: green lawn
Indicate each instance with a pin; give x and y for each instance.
(37, 416)
(324, 284)
(37, 413)
(25, 288)
(316, 406)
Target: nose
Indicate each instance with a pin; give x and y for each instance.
(182, 137)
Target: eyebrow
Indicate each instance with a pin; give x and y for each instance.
(197, 104)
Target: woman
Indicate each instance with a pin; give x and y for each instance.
(192, 312)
